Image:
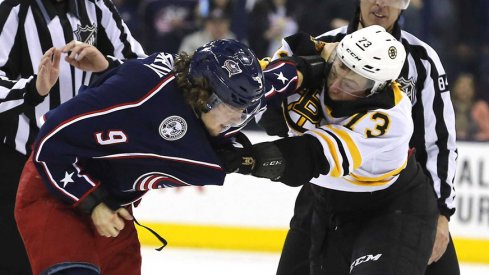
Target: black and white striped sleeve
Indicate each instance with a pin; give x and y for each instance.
(434, 119)
(115, 39)
(15, 93)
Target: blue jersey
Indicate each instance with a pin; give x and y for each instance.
(131, 132)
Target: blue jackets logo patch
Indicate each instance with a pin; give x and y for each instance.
(156, 180)
(232, 67)
(173, 128)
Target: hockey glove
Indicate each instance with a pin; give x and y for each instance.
(293, 161)
(262, 160)
(304, 157)
(273, 121)
(314, 70)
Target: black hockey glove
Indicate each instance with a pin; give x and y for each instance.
(304, 157)
(273, 121)
(262, 160)
(293, 161)
(314, 70)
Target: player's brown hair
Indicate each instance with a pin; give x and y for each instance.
(198, 91)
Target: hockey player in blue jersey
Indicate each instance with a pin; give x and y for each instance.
(145, 125)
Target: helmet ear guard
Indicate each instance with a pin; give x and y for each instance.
(373, 53)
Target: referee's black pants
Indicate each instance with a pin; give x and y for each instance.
(14, 259)
(294, 259)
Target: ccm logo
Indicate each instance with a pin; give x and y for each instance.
(353, 54)
(272, 163)
(364, 259)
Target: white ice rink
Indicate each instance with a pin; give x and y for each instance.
(213, 262)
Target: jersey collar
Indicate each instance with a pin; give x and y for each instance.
(384, 99)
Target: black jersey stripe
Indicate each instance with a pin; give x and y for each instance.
(345, 164)
(127, 51)
(5, 9)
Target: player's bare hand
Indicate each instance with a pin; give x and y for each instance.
(107, 222)
(327, 51)
(441, 240)
(85, 57)
(48, 71)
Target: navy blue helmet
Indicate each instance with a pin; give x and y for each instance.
(232, 71)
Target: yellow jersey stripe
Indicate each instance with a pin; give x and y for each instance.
(336, 167)
(264, 62)
(383, 177)
(352, 147)
(368, 183)
(398, 94)
(328, 111)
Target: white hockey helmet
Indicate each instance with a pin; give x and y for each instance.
(373, 53)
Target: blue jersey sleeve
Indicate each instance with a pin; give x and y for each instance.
(281, 79)
(130, 133)
(70, 134)
(74, 132)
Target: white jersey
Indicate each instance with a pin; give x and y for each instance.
(424, 80)
(366, 150)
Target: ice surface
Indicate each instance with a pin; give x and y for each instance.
(217, 262)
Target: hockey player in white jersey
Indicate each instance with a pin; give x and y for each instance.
(374, 210)
(424, 80)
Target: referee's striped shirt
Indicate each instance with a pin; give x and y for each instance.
(423, 79)
(30, 28)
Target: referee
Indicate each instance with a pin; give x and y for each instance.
(27, 30)
(424, 80)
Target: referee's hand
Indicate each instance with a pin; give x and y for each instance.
(107, 222)
(441, 239)
(85, 57)
(48, 71)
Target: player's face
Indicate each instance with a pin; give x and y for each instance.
(221, 117)
(345, 84)
(380, 12)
